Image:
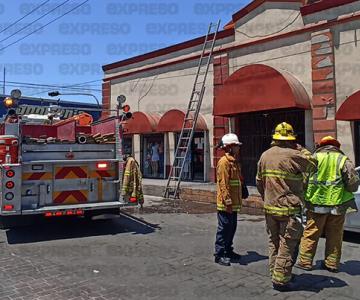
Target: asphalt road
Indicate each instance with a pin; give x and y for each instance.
(167, 254)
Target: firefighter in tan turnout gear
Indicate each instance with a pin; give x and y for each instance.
(132, 182)
(329, 197)
(228, 200)
(280, 181)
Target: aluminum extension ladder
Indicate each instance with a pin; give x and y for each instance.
(187, 132)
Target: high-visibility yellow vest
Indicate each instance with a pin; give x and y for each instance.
(326, 186)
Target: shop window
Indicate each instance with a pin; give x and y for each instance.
(152, 156)
(127, 145)
(357, 142)
(194, 162)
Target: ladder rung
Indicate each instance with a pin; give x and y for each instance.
(182, 148)
(180, 157)
(174, 178)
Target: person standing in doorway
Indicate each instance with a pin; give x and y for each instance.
(228, 200)
(280, 182)
(329, 197)
(155, 159)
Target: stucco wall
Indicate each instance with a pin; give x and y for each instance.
(269, 18)
(294, 57)
(347, 74)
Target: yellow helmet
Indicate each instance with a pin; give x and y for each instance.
(284, 132)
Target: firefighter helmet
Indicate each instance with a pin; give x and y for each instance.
(284, 132)
(229, 139)
(329, 140)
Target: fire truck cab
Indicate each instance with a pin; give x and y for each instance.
(56, 168)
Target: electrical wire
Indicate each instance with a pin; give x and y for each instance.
(36, 85)
(47, 24)
(267, 35)
(23, 17)
(28, 25)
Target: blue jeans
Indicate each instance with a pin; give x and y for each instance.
(227, 223)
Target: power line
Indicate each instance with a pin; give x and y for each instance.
(40, 28)
(44, 15)
(45, 85)
(69, 86)
(29, 13)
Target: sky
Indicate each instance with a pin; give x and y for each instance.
(53, 43)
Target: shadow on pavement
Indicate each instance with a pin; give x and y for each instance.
(251, 257)
(351, 267)
(316, 283)
(69, 228)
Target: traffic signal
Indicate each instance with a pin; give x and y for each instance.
(127, 114)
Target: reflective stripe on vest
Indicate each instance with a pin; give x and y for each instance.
(326, 186)
(281, 211)
(222, 207)
(281, 174)
(234, 182)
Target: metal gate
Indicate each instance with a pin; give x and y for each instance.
(255, 131)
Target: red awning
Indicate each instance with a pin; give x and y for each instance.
(350, 109)
(142, 123)
(172, 121)
(258, 88)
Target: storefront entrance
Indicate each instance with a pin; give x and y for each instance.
(152, 155)
(255, 131)
(357, 142)
(194, 164)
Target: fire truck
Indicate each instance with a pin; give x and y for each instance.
(53, 168)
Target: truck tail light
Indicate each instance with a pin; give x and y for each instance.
(79, 212)
(9, 184)
(102, 165)
(8, 207)
(10, 173)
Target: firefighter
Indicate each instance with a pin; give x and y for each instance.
(328, 197)
(132, 182)
(228, 200)
(279, 180)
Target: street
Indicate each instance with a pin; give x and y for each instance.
(168, 255)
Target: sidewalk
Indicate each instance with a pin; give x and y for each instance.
(200, 192)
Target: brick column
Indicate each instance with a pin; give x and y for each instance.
(106, 98)
(220, 124)
(323, 84)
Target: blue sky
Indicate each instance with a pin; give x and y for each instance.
(72, 49)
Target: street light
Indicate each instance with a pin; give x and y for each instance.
(57, 93)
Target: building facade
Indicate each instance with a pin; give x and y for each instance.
(276, 60)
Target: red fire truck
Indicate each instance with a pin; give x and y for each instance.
(54, 168)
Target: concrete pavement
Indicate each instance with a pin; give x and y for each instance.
(168, 255)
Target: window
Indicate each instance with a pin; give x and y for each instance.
(152, 156)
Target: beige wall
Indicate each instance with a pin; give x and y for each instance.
(268, 19)
(286, 58)
(347, 74)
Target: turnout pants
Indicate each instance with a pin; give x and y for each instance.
(227, 223)
(333, 227)
(284, 236)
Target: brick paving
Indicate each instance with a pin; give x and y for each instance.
(120, 258)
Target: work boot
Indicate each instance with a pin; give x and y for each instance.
(234, 257)
(222, 260)
(332, 270)
(299, 265)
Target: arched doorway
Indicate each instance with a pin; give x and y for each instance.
(257, 97)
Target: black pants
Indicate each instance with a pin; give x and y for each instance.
(225, 233)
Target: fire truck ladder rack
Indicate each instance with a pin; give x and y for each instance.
(192, 113)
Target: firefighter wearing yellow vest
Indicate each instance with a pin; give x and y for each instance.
(280, 181)
(228, 200)
(132, 182)
(329, 197)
